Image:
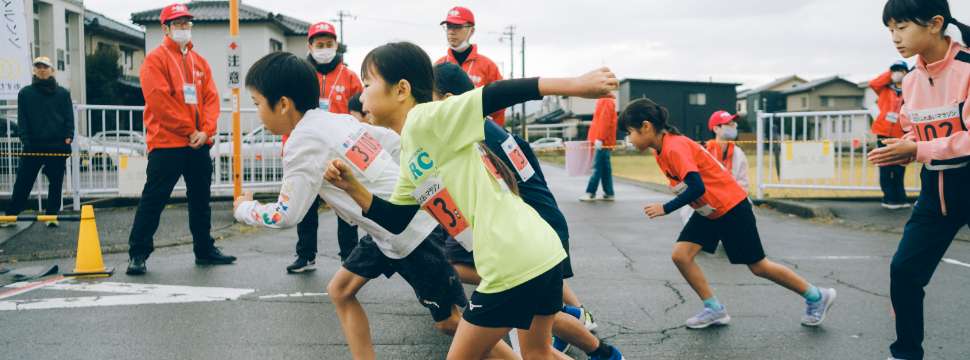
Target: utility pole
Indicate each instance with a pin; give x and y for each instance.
(509, 35)
(525, 132)
(341, 15)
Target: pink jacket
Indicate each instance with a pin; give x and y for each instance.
(934, 112)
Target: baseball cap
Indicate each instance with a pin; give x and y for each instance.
(321, 28)
(899, 65)
(720, 117)
(459, 15)
(43, 60)
(173, 12)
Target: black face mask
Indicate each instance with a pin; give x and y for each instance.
(47, 86)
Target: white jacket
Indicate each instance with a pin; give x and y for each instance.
(317, 139)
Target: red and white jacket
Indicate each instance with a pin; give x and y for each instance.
(935, 114)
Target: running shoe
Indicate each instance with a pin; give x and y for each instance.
(587, 197)
(301, 265)
(708, 317)
(616, 355)
(815, 311)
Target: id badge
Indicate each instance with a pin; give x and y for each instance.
(436, 200)
(190, 94)
(519, 161)
(892, 117)
(325, 104)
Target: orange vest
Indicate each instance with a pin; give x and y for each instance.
(481, 70)
(890, 105)
(724, 156)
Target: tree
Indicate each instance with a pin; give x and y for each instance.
(103, 72)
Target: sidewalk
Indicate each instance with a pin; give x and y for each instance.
(856, 213)
(33, 241)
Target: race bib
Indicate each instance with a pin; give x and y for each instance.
(363, 150)
(492, 167)
(189, 94)
(519, 161)
(892, 117)
(699, 206)
(435, 199)
(937, 123)
(325, 104)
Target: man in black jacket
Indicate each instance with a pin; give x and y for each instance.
(45, 117)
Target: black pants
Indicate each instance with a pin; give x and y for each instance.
(926, 237)
(30, 166)
(306, 233)
(165, 166)
(891, 180)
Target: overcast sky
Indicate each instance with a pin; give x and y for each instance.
(744, 41)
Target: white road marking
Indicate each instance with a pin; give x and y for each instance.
(293, 295)
(25, 286)
(956, 262)
(131, 294)
(834, 257)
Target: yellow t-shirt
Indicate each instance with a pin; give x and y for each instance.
(439, 150)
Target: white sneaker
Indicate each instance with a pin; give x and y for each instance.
(587, 197)
(708, 317)
(609, 198)
(815, 311)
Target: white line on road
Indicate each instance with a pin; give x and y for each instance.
(131, 294)
(955, 262)
(25, 286)
(835, 257)
(293, 295)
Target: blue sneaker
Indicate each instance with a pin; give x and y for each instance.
(615, 356)
(560, 344)
(708, 317)
(815, 311)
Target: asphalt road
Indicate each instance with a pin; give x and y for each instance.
(624, 275)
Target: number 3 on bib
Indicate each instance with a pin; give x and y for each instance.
(435, 199)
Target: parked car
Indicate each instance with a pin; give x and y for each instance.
(549, 143)
(98, 156)
(134, 140)
(261, 156)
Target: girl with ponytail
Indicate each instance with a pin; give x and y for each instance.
(935, 119)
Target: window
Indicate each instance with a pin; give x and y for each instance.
(804, 101)
(699, 99)
(827, 101)
(36, 34)
(275, 45)
(127, 58)
(60, 59)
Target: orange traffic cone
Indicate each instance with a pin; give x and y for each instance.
(89, 261)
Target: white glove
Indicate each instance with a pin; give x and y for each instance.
(598, 144)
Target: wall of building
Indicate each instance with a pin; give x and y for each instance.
(93, 41)
(59, 36)
(690, 119)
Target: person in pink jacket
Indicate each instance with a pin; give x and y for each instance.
(935, 118)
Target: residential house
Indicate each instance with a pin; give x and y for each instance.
(57, 30)
(103, 32)
(766, 98)
(690, 103)
(827, 94)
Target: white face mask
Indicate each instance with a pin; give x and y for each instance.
(729, 133)
(324, 56)
(182, 37)
(898, 76)
(461, 47)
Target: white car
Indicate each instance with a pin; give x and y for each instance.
(548, 143)
(261, 156)
(96, 155)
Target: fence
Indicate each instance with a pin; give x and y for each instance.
(845, 133)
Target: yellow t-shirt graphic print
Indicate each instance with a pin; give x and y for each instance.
(511, 242)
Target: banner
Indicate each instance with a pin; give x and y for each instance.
(14, 49)
(807, 160)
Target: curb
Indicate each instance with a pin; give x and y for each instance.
(802, 210)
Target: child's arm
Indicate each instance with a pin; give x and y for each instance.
(301, 184)
(695, 189)
(395, 218)
(502, 94)
(881, 82)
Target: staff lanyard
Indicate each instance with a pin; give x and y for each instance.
(182, 77)
(336, 80)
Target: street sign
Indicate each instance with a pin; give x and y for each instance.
(234, 62)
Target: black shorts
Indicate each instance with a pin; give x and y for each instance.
(427, 271)
(515, 307)
(737, 230)
(457, 254)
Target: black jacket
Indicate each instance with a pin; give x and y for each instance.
(45, 115)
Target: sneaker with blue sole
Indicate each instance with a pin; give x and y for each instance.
(582, 314)
(560, 345)
(708, 317)
(815, 311)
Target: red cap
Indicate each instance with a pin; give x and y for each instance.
(459, 16)
(321, 28)
(173, 12)
(720, 117)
